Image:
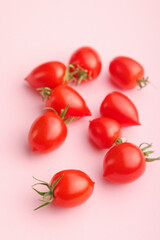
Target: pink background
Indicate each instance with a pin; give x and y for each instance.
(33, 32)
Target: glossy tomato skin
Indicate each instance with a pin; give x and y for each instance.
(124, 163)
(47, 133)
(119, 107)
(73, 189)
(104, 131)
(64, 95)
(49, 75)
(88, 59)
(125, 72)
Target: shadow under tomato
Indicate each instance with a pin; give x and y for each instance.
(95, 147)
(53, 209)
(111, 83)
(33, 155)
(31, 90)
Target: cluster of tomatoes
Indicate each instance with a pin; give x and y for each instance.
(124, 162)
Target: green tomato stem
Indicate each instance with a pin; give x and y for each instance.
(143, 82)
(45, 92)
(46, 194)
(147, 153)
(78, 74)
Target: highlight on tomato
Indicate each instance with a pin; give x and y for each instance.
(49, 131)
(63, 95)
(84, 65)
(67, 188)
(126, 73)
(50, 74)
(119, 107)
(104, 131)
(126, 162)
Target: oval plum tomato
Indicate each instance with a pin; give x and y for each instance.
(68, 188)
(84, 65)
(126, 73)
(104, 131)
(63, 95)
(119, 107)
(49, 74)
(47, 133)
(126, 162)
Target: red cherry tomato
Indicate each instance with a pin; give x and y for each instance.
(68, 188)
(47, 133)
(104, 131)
(124, 163)
(49, 74)
(86, 64)
(64, 95)
(126, 73)
(119, 107)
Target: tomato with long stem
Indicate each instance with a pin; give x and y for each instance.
(68, 188)
(126, 162)
(62, 96)
(84, 65)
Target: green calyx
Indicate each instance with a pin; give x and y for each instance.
(142, 82)
(45, 92)
(77, 74)
(144, 147)
(49, 193)
(67, 120)
(120, 140)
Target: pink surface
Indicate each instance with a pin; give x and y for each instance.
(33, 32)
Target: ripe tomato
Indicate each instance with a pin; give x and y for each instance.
(47, 133)
(119, 107)
(49, 74)
(85, 65)
(68, 188)
(104, 131)
(64, 95)
(124, 163)
(126, 73)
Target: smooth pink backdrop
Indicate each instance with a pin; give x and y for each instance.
(33, 32)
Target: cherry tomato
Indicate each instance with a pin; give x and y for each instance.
(50, 74)
(104, 131)
(64, 95)
(124, 163)
(47, 133)
(126, 73)
(119, 107)
(68, 188)
(86, 65)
